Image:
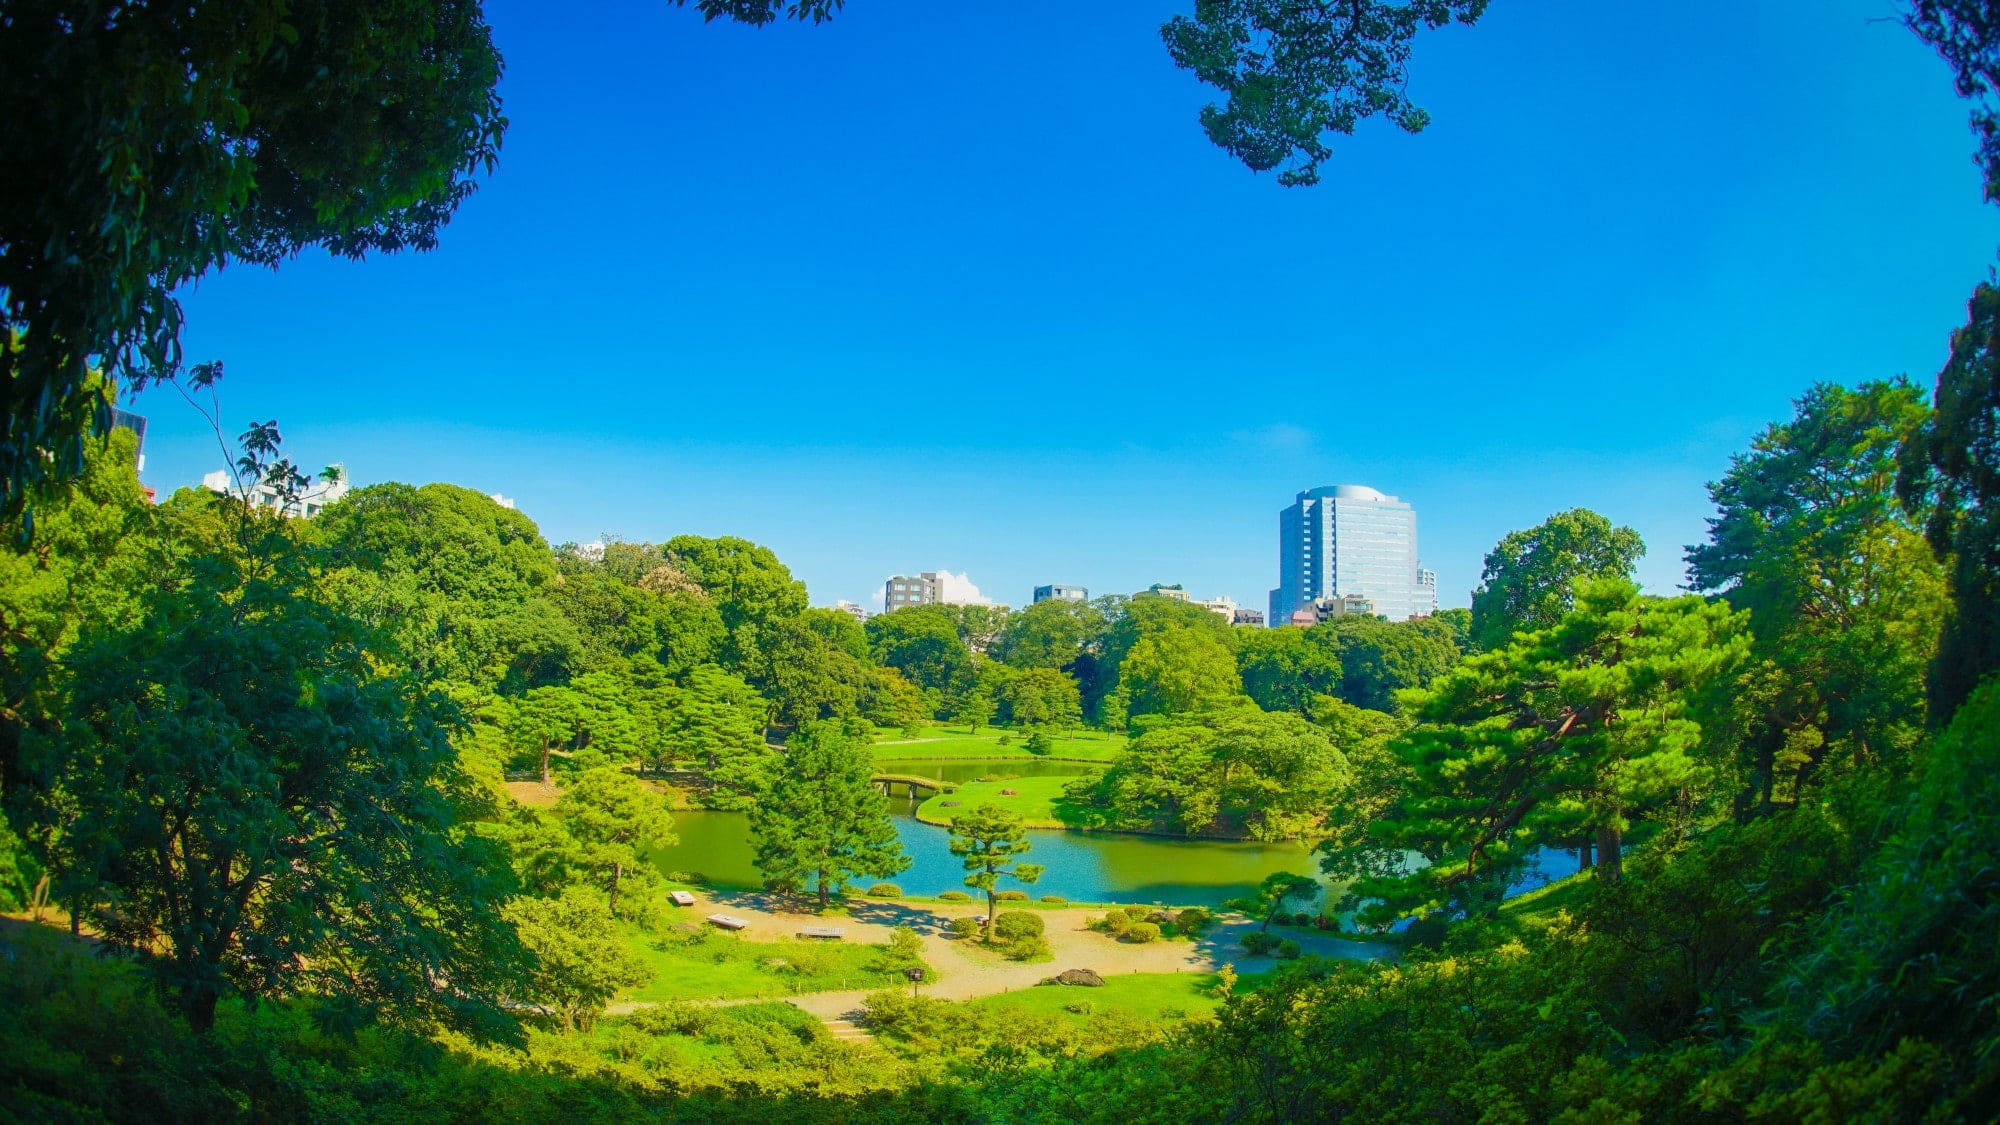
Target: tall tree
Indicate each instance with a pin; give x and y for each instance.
(1952, 472)
(1565, 733)
(266, 801)
(990, 841)
(923, 643)
(1529, 579)
(823, 822)
(579, 962)
(1050, 634)
(1286, 669)
(614, 820)
(545, 718)
(1178, 671)
(717, 722)
(1844, 596)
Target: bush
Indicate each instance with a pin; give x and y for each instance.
(1168, 929)
(1013, 925)
(1039, 743)
(1259, 943)
(1288, 950)
(1057, 899)
(1011, 896)
(1192, 920)
(885, 890)
(1138, 913)
(1116, 922)
(955, 896)
(1142, 932)
(1006, 740)
(964, 927)
(1303, 918)
(691, 878)
(1034, 947)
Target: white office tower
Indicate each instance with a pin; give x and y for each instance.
(1349, 539)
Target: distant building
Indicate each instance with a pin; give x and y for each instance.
(1427, 581)
(1224, 606)
(1158, 590)
(1060, 593)
(308, 503)
(506, 502)
(859, 613)
(1247, 616)
(1350, 539)
(126, 420)
(1326, 609)
(903, 591)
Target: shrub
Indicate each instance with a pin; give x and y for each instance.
(905, 949)
(1039, 743)
(1116, 922)
(1058, 899)
(1168, 929)
(1288, 950)
(955, 896)
(1006, 740)
(691, 878)
(1011, 896)
(1303, 918)
(1138, 913)
(1013, 925)
(885, 890)
(1259, 943)
(1324, 922)
(1034, 947)
(964, 927)
(1192, 920)
(1142, 932)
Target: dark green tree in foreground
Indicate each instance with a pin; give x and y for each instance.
(1952, 473)
(823, 823)
(1566, 735)
(241, 787)
(615, 821)
(991, 841)
(1530, 575)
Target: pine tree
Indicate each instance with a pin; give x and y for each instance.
(822, 821)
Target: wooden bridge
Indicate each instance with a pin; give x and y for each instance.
(889, 781)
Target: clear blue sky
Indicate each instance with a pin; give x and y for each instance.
(956, 286)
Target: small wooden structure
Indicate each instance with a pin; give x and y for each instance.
(729, 921)
(681, 898)
(832, 933)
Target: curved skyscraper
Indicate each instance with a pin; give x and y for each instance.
(1350, 540)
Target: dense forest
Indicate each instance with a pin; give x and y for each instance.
(264, 854)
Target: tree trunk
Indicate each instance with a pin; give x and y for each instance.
(1583, 855)
(823, 897)
(617, 875)
(1610, 864)
(545, 763)
(199, 1005)
(992, 905)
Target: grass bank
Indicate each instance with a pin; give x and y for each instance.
(711, 965)
(960, 743)
(1038, 801)
(1152, 996)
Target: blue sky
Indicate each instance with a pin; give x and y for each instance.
(963, 287)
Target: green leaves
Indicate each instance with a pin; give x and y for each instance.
(822, 823)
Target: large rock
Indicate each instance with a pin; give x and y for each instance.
(1084, 977)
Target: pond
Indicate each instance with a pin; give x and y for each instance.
(1081, 866)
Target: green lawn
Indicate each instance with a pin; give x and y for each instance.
(1037, 800)
(956, 742)
(1151, 995)
(723, 966)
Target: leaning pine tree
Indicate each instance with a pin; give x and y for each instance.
(822, 821)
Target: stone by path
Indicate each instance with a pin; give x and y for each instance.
(966, 970)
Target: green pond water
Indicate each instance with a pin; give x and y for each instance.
(1082, 867)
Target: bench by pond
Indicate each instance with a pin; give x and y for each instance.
(729, 921)
(681, 898)
(832, 933)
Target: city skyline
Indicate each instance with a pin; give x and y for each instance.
(1414, 331)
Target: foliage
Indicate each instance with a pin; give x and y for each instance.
(236, 133)
(1952, 470)
(1293, 73)
(1013, 925)
(579, 962)
(1235, 771)
(1565, 734)
(613, 820)
(990, 841)
(1285, 669)
(1844, 598)
(923, 644)
(1530, 576)
(1052, 634)
(822, 820)
(884, 890)
(1142, 933)
(238, 782)
(1178, 671)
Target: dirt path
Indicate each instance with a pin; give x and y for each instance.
(966, 970)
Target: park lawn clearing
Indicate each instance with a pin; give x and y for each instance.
(717, 966)
(1152, 996)
(943, 743)
(1038, 801)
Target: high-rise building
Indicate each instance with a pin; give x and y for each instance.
(1345, 540)
(328, 489)
(1061, 593)
(904, 590)
(122, 419)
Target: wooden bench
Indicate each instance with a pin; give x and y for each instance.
(681, 898)
(729, 922)
(833, 933)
